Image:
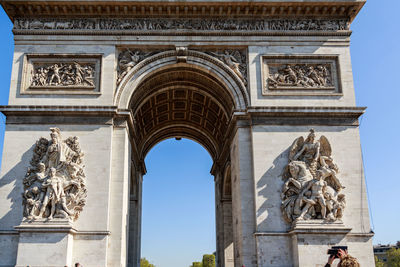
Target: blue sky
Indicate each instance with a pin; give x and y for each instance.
(179, 225)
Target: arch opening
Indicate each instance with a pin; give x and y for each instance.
(182, 101)
(185, 100)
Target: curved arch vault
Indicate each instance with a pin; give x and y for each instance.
(195, 99)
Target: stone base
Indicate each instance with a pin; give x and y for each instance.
(45, 243)
(312, 239)
(319, 226)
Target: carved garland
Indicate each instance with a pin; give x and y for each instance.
(54, 185)
(241, 25)
(311, 187)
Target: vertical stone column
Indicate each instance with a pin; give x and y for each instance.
(119, 197)
(228, 250)
(218, 220)
(135, 218)
(243, 209)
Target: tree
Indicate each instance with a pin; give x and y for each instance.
(393, 256)
(196, 264)
(145, 263)
(378, 262)
(208, 260)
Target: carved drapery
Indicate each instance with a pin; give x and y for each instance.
(54, 185)
(311, 187)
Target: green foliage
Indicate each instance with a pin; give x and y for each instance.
(208, 260)
(393, 256)
(145, 263)
(196, 264)
(378, 262)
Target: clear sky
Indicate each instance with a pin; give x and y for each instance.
(179, 224)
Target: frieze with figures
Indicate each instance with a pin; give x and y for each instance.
(149, 25)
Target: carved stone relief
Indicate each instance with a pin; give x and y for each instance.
(54, 185)
(63, 74)
(45, 74)
(151, 24)
(312, 187)
(234, 59)
(127, 59)
(300, 75)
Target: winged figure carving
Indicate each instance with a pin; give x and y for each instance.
(311, 187)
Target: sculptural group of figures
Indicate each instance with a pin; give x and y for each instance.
(184, 24)
(54, 185)
(312, 187)
(300, 75)
(63, 74)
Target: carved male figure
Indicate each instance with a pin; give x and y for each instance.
(317, 187)
(55, 75)
(53, 192)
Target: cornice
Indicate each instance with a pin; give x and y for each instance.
(276, 111)
(182, 9)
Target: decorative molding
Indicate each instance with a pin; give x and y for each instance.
(61, 74)
(311, 189)
(183, 9)
(300, 75)
(54, 185)
(153, 25)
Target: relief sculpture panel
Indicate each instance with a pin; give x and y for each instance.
(62, 74)
(312, 188)
(300, 75)
(54, 185)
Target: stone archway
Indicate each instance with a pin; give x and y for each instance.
(191, 95)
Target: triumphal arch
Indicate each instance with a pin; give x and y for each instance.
(265, 86)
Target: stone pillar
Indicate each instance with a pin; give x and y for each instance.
(243, 198)
(218, 221)
(119, 200)
(228, 249)
(135, 219)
